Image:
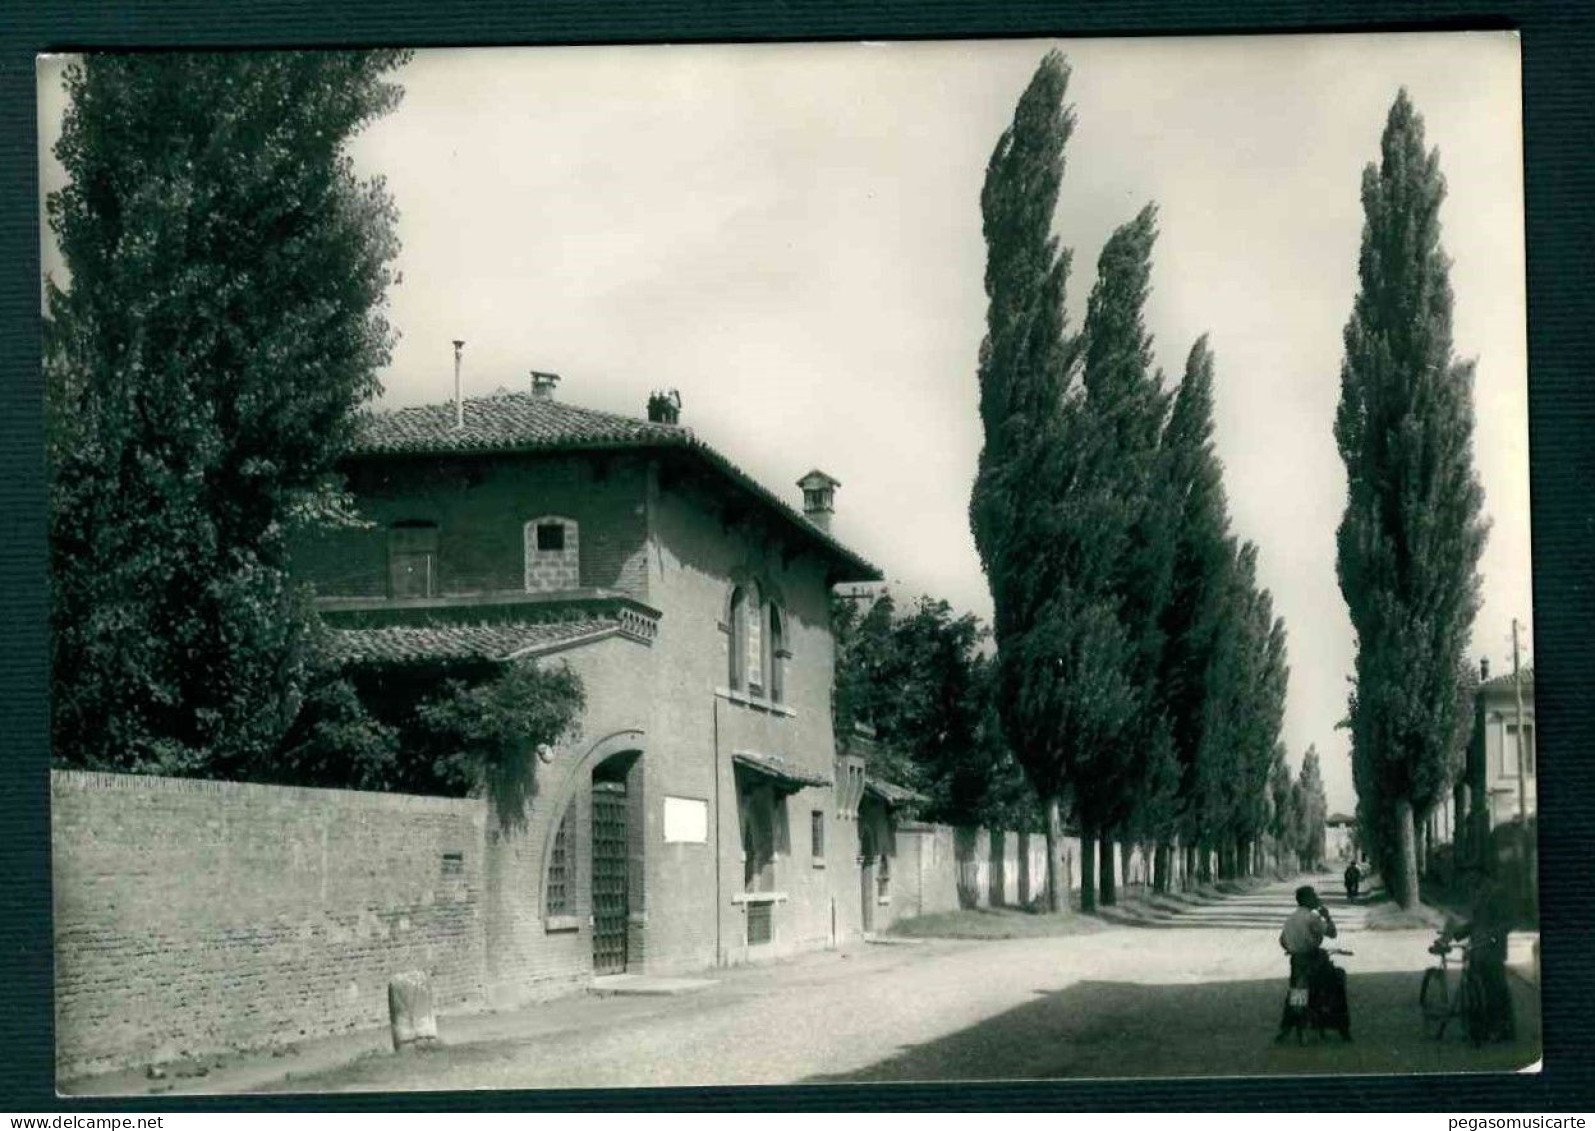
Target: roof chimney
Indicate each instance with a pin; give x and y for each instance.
(459, 403)
(543, 385)
(664, 407)
(819, 492)
(1484, 669)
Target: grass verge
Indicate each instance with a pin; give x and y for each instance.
(996, 923)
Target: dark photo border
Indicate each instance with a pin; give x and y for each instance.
(1559, 110)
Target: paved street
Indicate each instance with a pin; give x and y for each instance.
(1188, 991)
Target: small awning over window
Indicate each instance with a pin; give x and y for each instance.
(784, 775)
(892, 795)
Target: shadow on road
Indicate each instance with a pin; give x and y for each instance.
(1123, 1029)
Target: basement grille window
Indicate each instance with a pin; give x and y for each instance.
(759, 923)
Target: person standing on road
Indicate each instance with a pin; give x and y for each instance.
(1353, 879)
(1488, 925)
(1302, 939)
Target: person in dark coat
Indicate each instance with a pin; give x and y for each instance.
(1353, 880)
(1487, 925)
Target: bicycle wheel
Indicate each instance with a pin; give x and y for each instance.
(1434, 998)
(1474, 1008)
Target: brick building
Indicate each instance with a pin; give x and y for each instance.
(704, 814)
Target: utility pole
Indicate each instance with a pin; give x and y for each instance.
(459, 400)
(1522, 788)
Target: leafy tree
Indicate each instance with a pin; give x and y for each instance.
(335, 742)
(863, 646)
(1061, 689)
(919, 680)
(206, 362)
(485, 734)
(1411, 536)
(448, 729)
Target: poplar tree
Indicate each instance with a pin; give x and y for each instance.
(1203, 554)
(1411, 535)
(1126, 409)
(1263, 710)
(1061, 691)
(221, 328)
(1282, 819)
(1312, 811)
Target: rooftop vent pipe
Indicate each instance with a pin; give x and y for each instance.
(459, 402)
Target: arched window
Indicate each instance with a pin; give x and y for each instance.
(778, 653)
(553, 554)
(560, 882)
(736, 626)
(753, 648)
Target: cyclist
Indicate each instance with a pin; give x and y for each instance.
(1488, 925)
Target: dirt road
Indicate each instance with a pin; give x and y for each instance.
(1188, 991)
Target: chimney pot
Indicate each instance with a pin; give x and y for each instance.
(664, 407)
(1484, 669)
(819, 495)
(543, 385)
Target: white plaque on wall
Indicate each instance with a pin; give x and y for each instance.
(686, 821)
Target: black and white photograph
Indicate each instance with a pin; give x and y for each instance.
(694, 565)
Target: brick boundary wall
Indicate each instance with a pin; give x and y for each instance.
(199, 917)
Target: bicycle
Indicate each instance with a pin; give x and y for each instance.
(1440, 1007)
(1322, 1007)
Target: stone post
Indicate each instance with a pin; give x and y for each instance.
(410, 1013)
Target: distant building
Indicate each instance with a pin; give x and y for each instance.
(1493, 754)
(1340, 837)
(705, 815)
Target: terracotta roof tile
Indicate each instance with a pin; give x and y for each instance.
(1525, 676)
(891, 793)
(506, 422)
(397, 644)
(784, 772)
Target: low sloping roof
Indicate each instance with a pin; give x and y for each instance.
(892, 793)
(505, 422)
(785, 774)
(512, 422)
(1525, 676)
(412, 643)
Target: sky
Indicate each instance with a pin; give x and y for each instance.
(789, 235)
